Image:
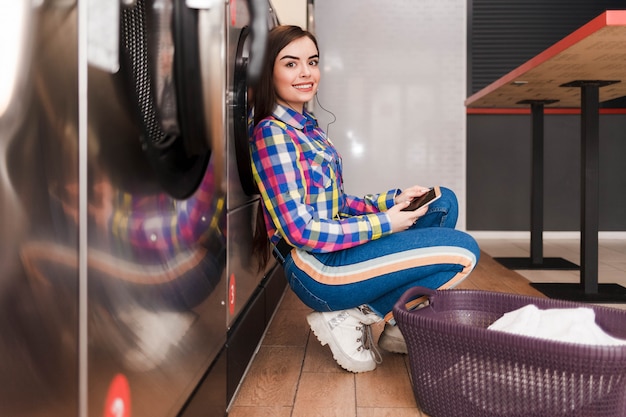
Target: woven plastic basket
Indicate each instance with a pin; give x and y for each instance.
(460, 368)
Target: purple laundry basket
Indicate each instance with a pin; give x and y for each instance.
(460, 368)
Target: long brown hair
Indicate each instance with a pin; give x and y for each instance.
(265, 99)
(265, 94)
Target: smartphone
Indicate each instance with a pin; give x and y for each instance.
(432, 195)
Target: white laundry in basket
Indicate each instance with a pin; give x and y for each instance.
(573, 325)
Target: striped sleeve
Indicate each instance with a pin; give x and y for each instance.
(371, 203)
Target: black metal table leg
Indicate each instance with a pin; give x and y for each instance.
(588, 289)
(537, 260)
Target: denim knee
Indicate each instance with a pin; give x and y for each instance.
(303, 293)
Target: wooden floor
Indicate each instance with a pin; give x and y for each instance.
(292, 375)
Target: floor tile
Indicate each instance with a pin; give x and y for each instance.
(286, 329)
(388, 386)
(256, 411)
(273, 378)
(325, 394)
(389, 412)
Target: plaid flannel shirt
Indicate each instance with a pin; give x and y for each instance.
(298, 172)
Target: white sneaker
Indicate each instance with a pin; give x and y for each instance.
(349, 336)
(391, 340)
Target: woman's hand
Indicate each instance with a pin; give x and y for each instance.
(402, 220)
(411, 193)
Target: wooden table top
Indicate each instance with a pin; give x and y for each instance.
(596, 51)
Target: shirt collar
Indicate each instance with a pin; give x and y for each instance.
(293, 118)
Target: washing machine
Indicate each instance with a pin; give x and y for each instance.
(125, 218)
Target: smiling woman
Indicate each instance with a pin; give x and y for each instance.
(349, 258)
(296, 73)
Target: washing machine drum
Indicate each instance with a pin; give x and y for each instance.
(160, 61)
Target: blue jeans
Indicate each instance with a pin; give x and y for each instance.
(430, 254)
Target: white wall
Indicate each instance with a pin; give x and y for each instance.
(394, 74)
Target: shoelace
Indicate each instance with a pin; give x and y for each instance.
(367, 341)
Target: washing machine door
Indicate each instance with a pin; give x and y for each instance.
(240, 114)
(160, 60)
(248, 64)
(262, 18)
